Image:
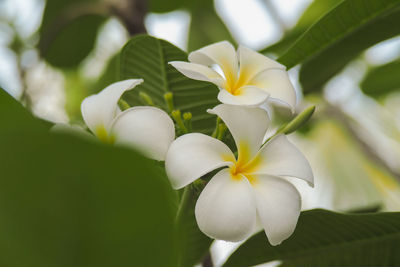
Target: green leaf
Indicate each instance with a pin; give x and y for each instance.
(206, 26)
(316, 10)
(69, 202)
(12, 112)
(382, 80)
(339, 37)
(147, 57)
(193, 243)
(69, 30)
(298, 121)
(324, 238)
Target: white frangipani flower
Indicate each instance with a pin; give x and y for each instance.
(249, 78)
(145, 128)
(252, 188)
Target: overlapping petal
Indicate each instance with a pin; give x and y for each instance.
(193, 155)
(147, 129)
(226, 208)
(198, 72)
(280, 157)
(252, 63)
(98, 111)
(277, 84)
(247, 96)
(278, 207)
(222, 54)
(247, 125)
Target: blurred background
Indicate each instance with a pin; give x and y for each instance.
(55, 53)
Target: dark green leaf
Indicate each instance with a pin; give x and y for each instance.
(316, 10)
(339, 37)
(193, 243)
(382, 80)
(12, 112)
(324, 238)
(147, 57)
(68, 202)
(69, 30)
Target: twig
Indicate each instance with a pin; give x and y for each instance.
(132, 13)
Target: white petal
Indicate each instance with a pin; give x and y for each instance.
(99, 110)
(247, 125)
(280, 157)
(226, 208)
(252, 62)
(278, 207)
(221, 53)
(277, 84)
(147, 129)
(194, 155)
(198, 72)
(249, 96)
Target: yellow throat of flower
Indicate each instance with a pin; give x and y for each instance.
(244, 166)
(234, 82)
(103, 135)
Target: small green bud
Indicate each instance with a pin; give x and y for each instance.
(123, 104)
(169, 100)
(146, 98)
(187, 116)
(187, 119)
(298, 121)
(176, 114)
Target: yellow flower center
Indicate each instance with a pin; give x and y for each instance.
(244, 166)
(103, 135)
(234, 81)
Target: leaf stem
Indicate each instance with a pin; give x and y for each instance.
(176, 114)
(215, 133)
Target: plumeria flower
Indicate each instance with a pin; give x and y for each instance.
(248, 189)
(249, 78)
(148, 129)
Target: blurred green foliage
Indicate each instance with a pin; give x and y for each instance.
(69, 30)
(382, 80)
(66, 201)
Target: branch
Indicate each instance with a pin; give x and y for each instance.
(131, 13)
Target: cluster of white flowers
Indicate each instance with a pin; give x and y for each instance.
(249, 190)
